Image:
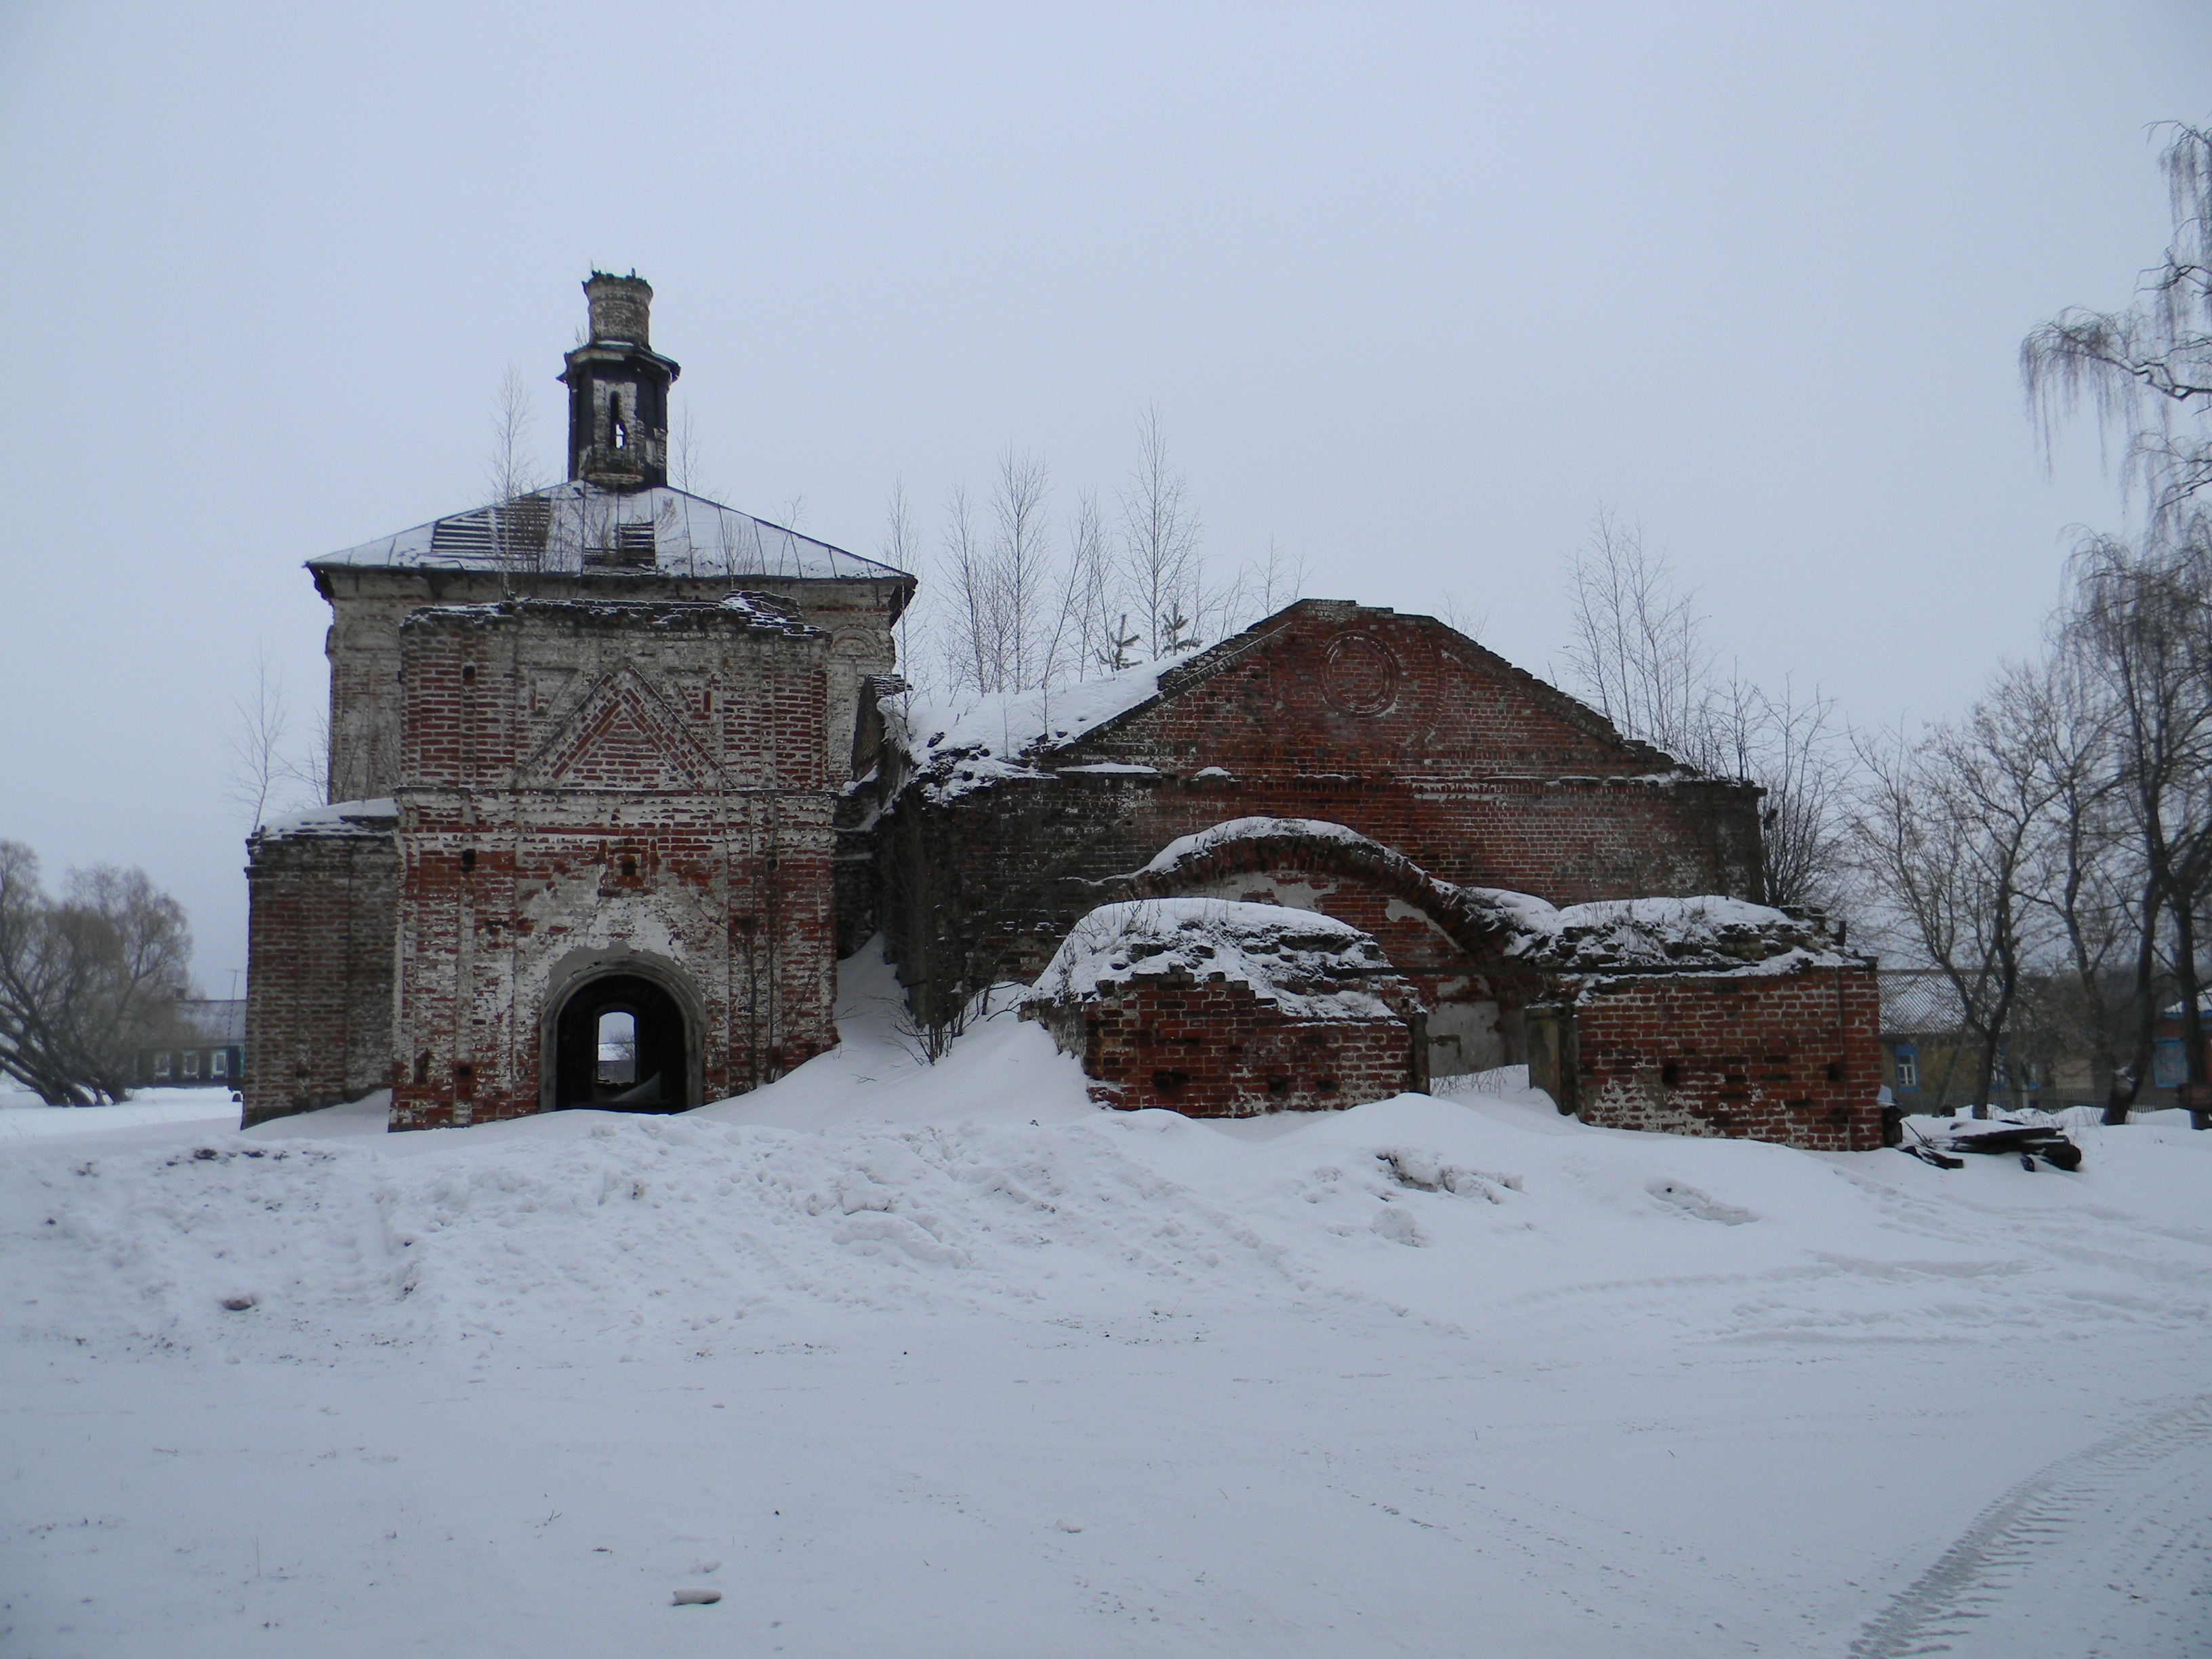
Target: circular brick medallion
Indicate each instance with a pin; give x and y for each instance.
(1363, 675)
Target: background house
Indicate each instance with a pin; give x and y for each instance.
(1930, 1054)
(204, 1046)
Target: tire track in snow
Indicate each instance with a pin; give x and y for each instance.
(2105, 1554)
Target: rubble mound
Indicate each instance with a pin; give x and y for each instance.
(1312, 966)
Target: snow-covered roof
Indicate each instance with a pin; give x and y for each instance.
(1312, 966)
(963, 747)
(1703, 934)
(570, 528)
(345, 817)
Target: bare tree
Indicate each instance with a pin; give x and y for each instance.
(267, 773)
(257, 740)
(1098, 645)
(1160, 532)
(2147, 369)
(1456, 613)
(974, 660)
(684, 454)
(1948, 830)
(1021, 571)
(2086, 871)
(901, 549)
(1638, 651)
(84, 981)
(1263, 586)
(1637, 642)
(511, 469)
(2142, 622)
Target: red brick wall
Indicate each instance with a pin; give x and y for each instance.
(1793, 1057)
(320, 913)
(646, 782)
(1435, 748)
(1210, 1048)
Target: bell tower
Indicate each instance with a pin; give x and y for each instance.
(618, 390)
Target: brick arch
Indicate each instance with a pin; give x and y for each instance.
(1482, 925)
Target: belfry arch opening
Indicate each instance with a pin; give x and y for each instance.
(622, 1042)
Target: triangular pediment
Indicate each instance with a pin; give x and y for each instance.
(1334, 686)
(624, 736)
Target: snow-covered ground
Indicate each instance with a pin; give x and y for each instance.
(944, 1361)
(23, 1117)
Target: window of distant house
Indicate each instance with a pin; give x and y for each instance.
(2168, 1064)
(161, 1065)
(1908, 1065)
(219, 1063)
(192, 1064)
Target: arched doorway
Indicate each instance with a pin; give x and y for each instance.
(621, 1043)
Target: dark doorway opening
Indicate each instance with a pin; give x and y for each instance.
(621, 1047)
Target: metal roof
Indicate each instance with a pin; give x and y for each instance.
(577, 527)
(1919, 1000)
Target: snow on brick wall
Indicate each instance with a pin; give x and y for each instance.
(1214, 1008)
(1210, 1047)
(1791, 1058)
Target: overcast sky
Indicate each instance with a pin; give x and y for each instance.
(1412, 288)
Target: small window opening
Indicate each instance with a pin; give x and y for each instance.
(1169, 1083)
(1326, 1086)
(629, 869)
(615, 416)
(465, 1082)
(1670, 1075)
(469, 674)
(468, 857)
(1279, 1085)
(618, 1058)
(1835, 1071)
(422, 1068)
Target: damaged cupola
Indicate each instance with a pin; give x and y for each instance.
(618, 390)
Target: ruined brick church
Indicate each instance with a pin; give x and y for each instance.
(612, 748)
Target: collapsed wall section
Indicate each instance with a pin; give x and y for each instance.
(1215, 1008)
(1791, 1057)
(322, 893)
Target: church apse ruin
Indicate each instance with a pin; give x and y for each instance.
(614, 750)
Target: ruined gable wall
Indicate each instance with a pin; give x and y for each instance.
(1472, 777)
(321, 909)
(369, 604)
(549, 819)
